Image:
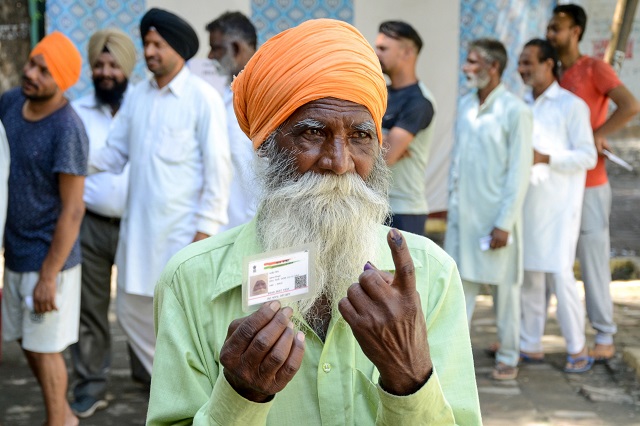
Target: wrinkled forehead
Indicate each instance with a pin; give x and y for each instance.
(331, 109)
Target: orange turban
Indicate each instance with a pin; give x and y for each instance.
(62, 59)
(320, 58)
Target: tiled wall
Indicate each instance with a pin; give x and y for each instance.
(80, 19)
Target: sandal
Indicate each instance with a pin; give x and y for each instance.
(503, 371)
(602, 353)
(529, 358)
(572, 362)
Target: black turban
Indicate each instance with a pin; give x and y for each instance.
(176, 31)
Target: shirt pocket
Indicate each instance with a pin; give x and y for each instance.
(175, 144)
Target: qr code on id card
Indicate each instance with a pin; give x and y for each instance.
(301, 281)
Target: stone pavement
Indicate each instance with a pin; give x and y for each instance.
(542, 394)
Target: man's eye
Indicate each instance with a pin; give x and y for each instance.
(314, 132)
(361, 134)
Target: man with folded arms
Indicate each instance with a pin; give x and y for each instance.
(172, 132)
(393, 348)
(563, 151)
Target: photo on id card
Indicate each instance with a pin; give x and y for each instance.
(286, 275)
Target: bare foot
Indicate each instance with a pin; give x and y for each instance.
(70, 418)
(602, 352)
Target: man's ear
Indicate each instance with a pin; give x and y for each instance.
(576, 30)
(235, 48)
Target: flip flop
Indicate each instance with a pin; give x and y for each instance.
(574, 360)
(528, 359)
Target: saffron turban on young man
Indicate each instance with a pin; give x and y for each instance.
(173, 29)
(321, 58)
(62, 58)
(118, 44)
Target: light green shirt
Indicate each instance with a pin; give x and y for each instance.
(490, 167)
(198, 296)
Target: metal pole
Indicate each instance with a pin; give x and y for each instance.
(620, 29)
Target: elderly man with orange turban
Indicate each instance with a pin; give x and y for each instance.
(49, 149)
(382, 337)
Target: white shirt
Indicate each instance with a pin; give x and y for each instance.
(175, 139)
(491, 160)
(4, 180)
(104, 193)
(242, 204)
(553, 207)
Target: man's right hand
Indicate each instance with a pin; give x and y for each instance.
(44, 295)
(262, 352)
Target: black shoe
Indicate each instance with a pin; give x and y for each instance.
(85, 406)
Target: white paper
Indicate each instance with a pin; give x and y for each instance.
(485, 242)
(619, 161)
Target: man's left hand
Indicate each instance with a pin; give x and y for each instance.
(200, 236)
(499, 238)
(386, 318)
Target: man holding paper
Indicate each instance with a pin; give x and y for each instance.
(488, 180)
(389, 349)
(595, 82)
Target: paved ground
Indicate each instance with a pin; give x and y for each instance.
(542, 394)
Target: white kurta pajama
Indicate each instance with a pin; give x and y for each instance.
(552, 213)
(175, 140)
(491, 160)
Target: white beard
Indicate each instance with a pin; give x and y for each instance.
(477, 81)
(339, 214)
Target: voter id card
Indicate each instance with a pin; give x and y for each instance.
(285, 274)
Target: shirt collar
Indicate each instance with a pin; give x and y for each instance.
(552, 92)
(246, 244)
(175, 86)
(495, 93)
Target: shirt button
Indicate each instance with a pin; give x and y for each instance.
(326, 367)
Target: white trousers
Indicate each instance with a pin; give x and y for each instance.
(506, 303)
(135, 315)
(536, 291)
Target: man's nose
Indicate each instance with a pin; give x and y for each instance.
(149, 50)
(337, 157)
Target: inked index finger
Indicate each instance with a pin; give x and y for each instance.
(405, 276)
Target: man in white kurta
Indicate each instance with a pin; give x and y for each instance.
(491, 160)
(564, 150)
(172, 131)
(233, 41)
